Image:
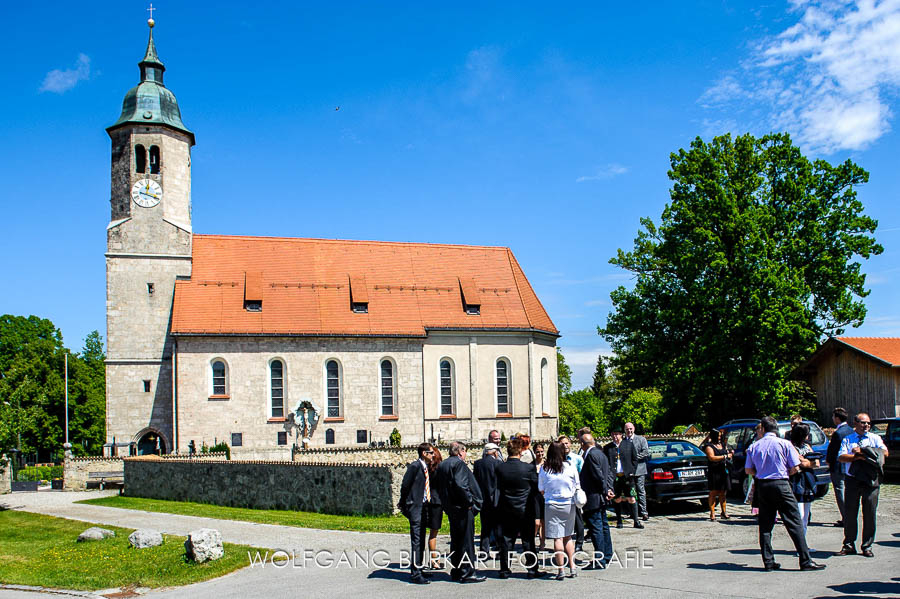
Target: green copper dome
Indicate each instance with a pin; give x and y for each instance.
(150, 102)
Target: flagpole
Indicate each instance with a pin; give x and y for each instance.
(67, 401)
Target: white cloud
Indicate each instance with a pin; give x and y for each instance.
(60, 81)
(583, 362)
(827, 79)
(597, 302)
(606, 172)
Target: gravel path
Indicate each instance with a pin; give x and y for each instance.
(691, 557)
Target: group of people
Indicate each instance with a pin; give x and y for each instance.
(558, 493)
(784, 482)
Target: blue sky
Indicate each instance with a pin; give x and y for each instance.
(525, 125)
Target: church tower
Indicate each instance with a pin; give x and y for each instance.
(148, 248)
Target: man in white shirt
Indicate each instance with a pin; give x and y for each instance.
(835, 468)
(859, 488)
(494, 437)
(643, 454)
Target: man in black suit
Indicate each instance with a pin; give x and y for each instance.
(597, 483)
(517, 483)
(623, 460)
(461, 500)
(415, 491)
(485, 474)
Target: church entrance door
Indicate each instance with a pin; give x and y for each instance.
(151, 443)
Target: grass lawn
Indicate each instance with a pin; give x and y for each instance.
(395, 524)
(41, 551)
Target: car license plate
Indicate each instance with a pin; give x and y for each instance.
(692, 473)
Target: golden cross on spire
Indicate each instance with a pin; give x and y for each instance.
(150, 21)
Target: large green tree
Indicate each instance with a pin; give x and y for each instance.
(756, 258)
(32, 389)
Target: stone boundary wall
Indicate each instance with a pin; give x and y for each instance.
(265, 454)
(5, 475)
(391, 456)
(77, 470)
(383, 456)
(315, 487)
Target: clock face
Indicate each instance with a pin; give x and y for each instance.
(146, 193)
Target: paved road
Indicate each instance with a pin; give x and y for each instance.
(722, 571)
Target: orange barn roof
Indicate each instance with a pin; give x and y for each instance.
(306, 288)
(886, 349)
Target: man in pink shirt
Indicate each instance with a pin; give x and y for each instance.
(772, 460)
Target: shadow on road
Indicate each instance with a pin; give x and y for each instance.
(391, 571)
(872, 587)
(725, 566)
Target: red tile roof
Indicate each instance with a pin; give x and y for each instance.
(886, 349)
(306, 285)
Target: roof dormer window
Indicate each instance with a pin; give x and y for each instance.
(471, 298)
(359, 296)
(253, 291)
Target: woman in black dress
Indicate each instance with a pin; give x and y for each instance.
(717, 473)
(433, 513)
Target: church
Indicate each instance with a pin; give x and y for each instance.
(222, 338)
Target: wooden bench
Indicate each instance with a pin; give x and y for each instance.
(108, 478)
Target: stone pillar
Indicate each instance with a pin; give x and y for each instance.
(473, 385)
(531, 422)
(5, 475)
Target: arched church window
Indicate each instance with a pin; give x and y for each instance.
(448, 388)
(140, 159)
(545, 392)
(218, 378)
(503, 386)
(154, 160)
(276, 388)
(329, 436)
(333, 388)
(388, 389)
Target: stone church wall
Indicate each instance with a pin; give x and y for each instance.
(247, 409)
(324, 488)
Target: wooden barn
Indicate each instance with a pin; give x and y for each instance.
(861, 374)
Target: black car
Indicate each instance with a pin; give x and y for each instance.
(740, 434)
(676, 470)
(889, 429)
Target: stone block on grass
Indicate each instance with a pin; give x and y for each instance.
(95, 533)
(145, 537)
(204, 545)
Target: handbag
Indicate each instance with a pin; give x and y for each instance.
(580, 495)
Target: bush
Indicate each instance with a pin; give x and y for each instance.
(395, 439)
(39, 473)
(678, 430)
(219, 447)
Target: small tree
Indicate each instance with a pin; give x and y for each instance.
(395, 439)
(563, 374)
(643, 407)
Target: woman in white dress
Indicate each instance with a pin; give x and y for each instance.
(558, 480)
